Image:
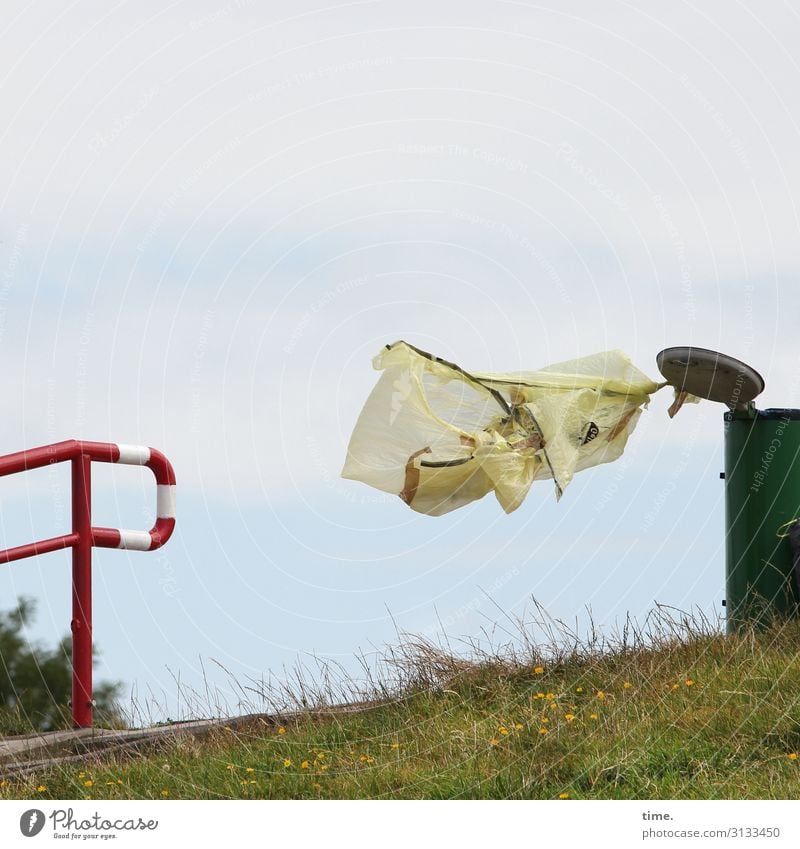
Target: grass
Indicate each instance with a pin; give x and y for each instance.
(670, 710)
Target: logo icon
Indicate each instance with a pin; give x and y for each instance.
(31, 822)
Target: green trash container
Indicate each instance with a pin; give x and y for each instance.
(762, 502)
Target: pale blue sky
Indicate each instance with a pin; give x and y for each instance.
(213, 215)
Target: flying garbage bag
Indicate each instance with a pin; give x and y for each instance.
(440, 437)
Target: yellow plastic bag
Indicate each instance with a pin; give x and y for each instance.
(441, 438)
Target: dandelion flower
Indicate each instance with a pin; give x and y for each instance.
(563, 795)
(230, 766)
(540, 695)
(395, 746)
(88, 783)
(539, 670)
(281, 730)
(601, 695)
(287, 762)
(304, 765)
(592, 716)
(165, 792)
(518, 726)
(675, 686)
(81, 775)
(627, 685)
(569, 716)
(41, 788)
(503, 730)
(494, 742)
(689, 682)
(550, 696)
(579, 689)
(249, 769)
(792, 756)
(543, 731)
(545, 720)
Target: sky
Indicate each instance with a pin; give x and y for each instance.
(212, 217)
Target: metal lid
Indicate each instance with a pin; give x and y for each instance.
(711, 375)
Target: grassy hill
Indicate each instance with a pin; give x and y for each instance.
(674, 709)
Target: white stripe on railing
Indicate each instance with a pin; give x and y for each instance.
(133, 455)
(135, 540)
(165, 501)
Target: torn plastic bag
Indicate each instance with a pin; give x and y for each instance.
(440, 437)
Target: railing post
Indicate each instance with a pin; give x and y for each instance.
(82, 592)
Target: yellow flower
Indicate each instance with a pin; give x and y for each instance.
(395, 746)
(494, 742)
(543, 731)
(675, 686)
(518, 726)
(81, 775)
(539, 670)
(318, 787)
(792, 756)
(321, 755)
(287, 762)
(579, 689)
(165, 792)
(627, 685)
(539, 696)
(600, 694)
(304, 765)
(550, 696)
(569, 716)
(553, 706)
(592, 716)
(249, 769)
(41, 788)
(230, 766)
(281, 730)
(88, 783)
(689, 682)
(503, 730)
(243, 781)
(545, 720)
(323, 767)
(563, 795)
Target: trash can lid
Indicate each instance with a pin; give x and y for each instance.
(711, 375)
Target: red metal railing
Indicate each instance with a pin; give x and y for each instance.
(84, 537)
